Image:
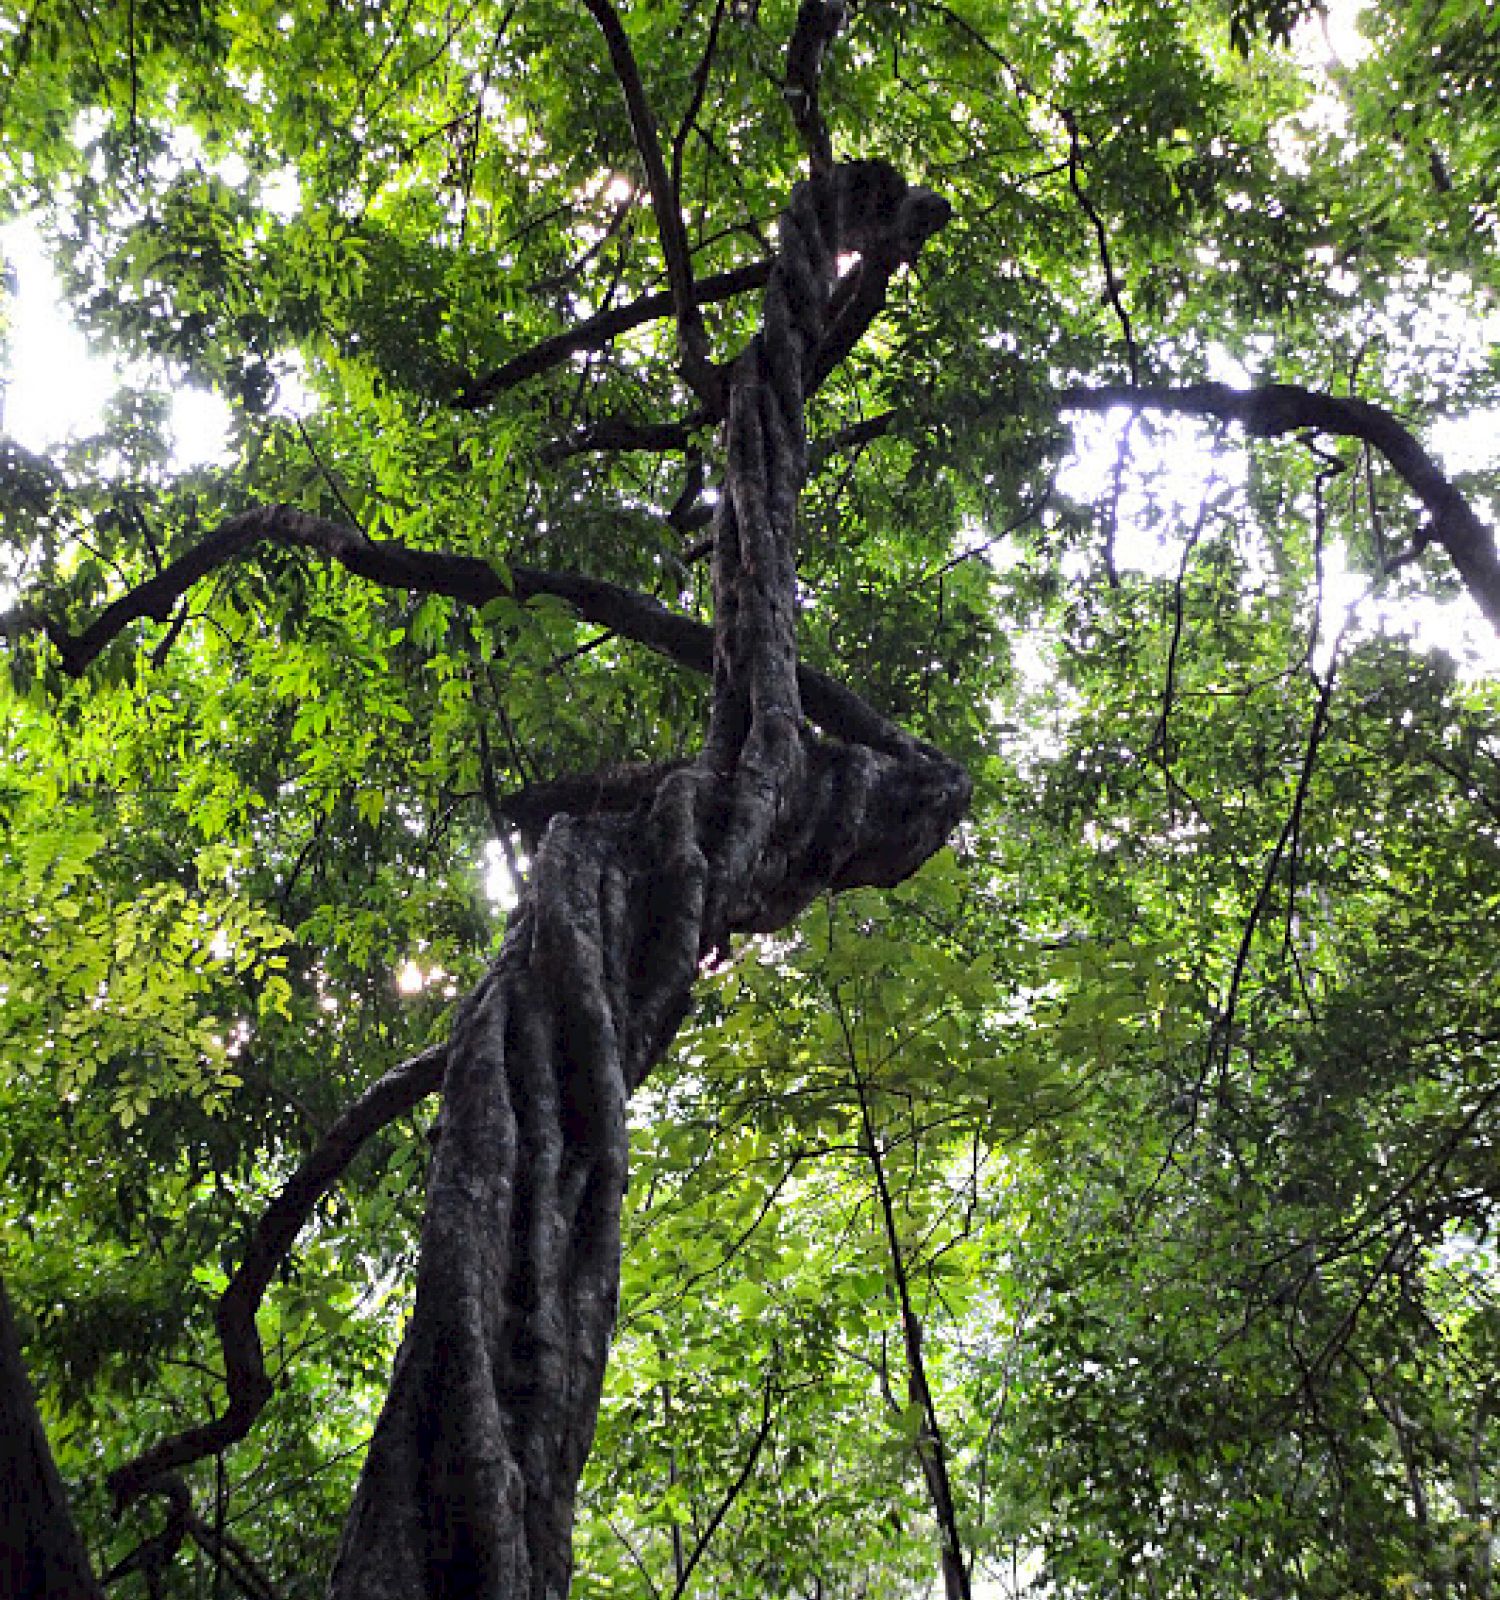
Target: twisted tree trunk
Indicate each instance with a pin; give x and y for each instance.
(470, 1483)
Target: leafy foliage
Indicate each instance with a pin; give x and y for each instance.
(1178, 1073)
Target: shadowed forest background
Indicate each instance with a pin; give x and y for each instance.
(1100, 1203)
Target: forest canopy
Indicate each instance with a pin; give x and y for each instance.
(809, 797)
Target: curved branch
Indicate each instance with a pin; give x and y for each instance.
(1281, 408)
(244, 1359)
(1112, 284)
(1267, 412)
(818, 22)
(467, 579)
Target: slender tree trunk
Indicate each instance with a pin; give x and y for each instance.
(931, 1447)
(41, 1552)
(470, 1483)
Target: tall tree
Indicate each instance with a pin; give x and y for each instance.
(524, 314)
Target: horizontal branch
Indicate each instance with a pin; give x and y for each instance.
(467, 579)
(244, 1358)
(853, 437)
(1281, 408)
(622, 435)
(1267, 412)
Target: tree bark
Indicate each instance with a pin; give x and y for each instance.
(41, 1552)
(470, 1483)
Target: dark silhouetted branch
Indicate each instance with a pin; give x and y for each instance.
(701, 375)
(931, 1448)
(700, 89)
(593, 333)
(855, 437)
(231, 1554)
(621, 434)
(818, 21)
(466, 579)
(1281, 408)
(1267, 412)
(735, 1490)
(245, 1374)
(1101, 240)
(41, 1550)
(154, 1555)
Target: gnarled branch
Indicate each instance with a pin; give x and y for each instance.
(468, 1488)
(245, 1374)
(818, 21)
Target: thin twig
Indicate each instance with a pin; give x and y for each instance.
(330, 480)
(695, 100)
(1169, 688)
(1112, 287)
(932, 1450)
(1222, 1035)
(757, 1444)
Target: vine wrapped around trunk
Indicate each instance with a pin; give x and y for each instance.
(471, 1479)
